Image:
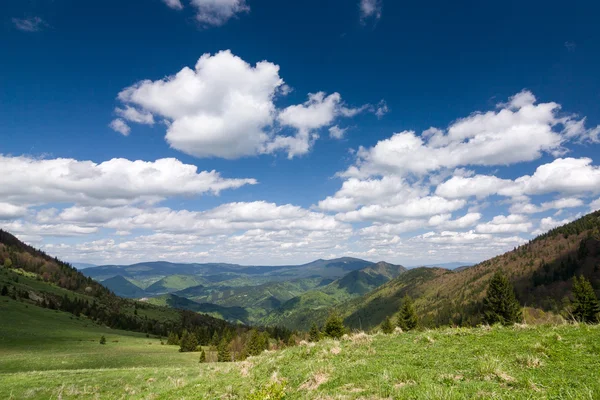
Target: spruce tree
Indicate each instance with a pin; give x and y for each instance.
(189, 342)
(202, 356)
(585, 307)
(500, 303)
(223, 354)
(407, 319)
(334, 326)
(386, 326)
(314, 335)
(255, 344)
(4, 291)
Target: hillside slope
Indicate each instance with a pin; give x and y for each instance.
(38, 280)
(312, 306)
(543, 362)
(541, 272)
(123, 288)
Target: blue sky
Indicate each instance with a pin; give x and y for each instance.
(511, 89)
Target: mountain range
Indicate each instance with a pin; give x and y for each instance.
(295, 296)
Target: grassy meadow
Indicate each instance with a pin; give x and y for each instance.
(46, 354)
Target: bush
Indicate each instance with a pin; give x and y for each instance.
(102, 340)
(386, 326)
(334, 327)
(271, 391)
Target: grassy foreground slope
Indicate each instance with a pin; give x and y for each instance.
(523, 362)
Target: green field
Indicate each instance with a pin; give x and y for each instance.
(47, 354)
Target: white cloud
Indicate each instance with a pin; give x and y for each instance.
(388, 191)
(174, 4)
(134, 115)
(221, 108)
(470, 237)
(414, 208)
(336, 132)
(118, 181)
(217, 12)
(564, 175)
(370, 9)
(503, 224)
(381, 109)
(595, 205)
(11, 211)
(527, 208)
(549, 223)
(33, 24)
(480, 186)
(444, 221)
(519, 131)
(225, 108)
(118, 125)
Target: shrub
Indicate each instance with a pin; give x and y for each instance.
(334, 327)
(102, 340)
(387, 327)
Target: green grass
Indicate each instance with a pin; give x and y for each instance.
(38, 339)
(60, 357)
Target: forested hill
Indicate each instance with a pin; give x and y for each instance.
(30, 275)
(541, 271)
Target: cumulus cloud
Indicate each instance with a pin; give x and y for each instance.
(224, 107)
(549, 223)
(33, 24)
(563, 175)
(559, 204)
(505, 224)
(414, 208)
(118, 181)
(11, 211)
(518, 131)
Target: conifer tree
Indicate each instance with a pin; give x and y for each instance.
(202, 356)
(500, 303)
(334, 326)
(407, 319)
(585, 307)
(386, 326)
(255, 344)
(223, 354)
(189, 342)
(215, 339)
(314, 335)
(4, 291)
(102, 340)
